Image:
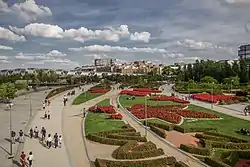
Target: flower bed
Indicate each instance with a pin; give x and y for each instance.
(103, 109)
(99, 90)
(134, 93)
(213, 98)
(149, 90)
(171, 114)
(169, 98)
(116, 116)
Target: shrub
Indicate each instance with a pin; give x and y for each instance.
(231, 138)
(215, 163)
(225, 145)
(164, 126)
(59, 90)
(140, 163)
(180, 164)
(190, 130)
(125, 137)
(209, 137)
(145, 147)
(130, 133)
(103, 140)
(196, 150)
(158, 131)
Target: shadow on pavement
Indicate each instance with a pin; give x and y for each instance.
(7, 139)
(5, 150)
(77, 115)
(15, 162)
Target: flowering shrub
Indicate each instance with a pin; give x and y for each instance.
(134, 93)
(170, 98)
(213, 98)
(171, 113)
(99, 90)
(103, 109)
(149, 90)
(116, 116)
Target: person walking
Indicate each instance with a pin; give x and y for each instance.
(45, 114)
(23, 159)
(48, 114)
(30, 159)
(44, 105)
(36, 131)
(43, 132)
(31, 133)
(13, 137)
(60, 141)
(49, 141)
(21, 136)
(56, 140)
(49, 102)
(84, 112)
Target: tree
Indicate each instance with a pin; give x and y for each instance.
(208, 79)
(7, 91)
(235, 68)
(243, 74)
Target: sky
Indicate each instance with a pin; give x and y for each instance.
(70, 33)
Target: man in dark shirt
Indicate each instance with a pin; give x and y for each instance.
(13, 135)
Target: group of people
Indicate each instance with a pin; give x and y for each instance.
(15, 137)
(246, 111)
(30, 158)
(65, 99)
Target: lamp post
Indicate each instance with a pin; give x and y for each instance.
(11, 150)
(146, 115)
(231, 85)
(30, 105)
(212, 95)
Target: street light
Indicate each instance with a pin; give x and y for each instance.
(30, 105)
(212, 96)
(10, 106)
(231, 85)
(146, 121)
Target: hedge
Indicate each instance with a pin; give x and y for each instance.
(189, 130)
(140, 163)
(124, 137)
(234, 156)
(158, 131)
(124, 152)
(145, 147)
(231, 138)
(196, 150)
(59, 90)
(210, 137)
(215, 163)
(130, 133)
(225, 145)
(180, 164)
(103, 140)
(166, 126)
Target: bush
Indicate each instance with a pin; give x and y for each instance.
(59, 90)
(180, 164)
(215, 163)
(140, 163)
(130, 133)
(225, 145)
(103, 140)
(196, 150)
(229, 102)
(243, 99)
(190, 130)
(231, 138)
(125, 137)
(209, 137)
(124, 152)
(145, 147)
(158, 131)
(164, 126)
(241, 93)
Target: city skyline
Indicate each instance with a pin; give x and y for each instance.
(63, 34)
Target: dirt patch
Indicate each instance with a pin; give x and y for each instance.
(243, 163)
(178, 138)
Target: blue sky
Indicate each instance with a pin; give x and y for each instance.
(66, 34)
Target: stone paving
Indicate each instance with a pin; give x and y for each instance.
(20, 118)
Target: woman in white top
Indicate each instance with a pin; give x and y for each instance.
(60, 141)
(30, 159)
(49, 141)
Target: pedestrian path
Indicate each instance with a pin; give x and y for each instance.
(44, 157)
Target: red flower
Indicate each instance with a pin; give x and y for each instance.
(213, 98)
(169, 98)
(99, 90)
(116, 116)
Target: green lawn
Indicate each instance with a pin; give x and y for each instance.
(105, 102)
(228, 125)
(141, 100)
(85, 97)
(96, 122)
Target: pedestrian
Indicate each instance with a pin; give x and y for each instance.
(46, 101)
(48, 114)
(45, 114)
(36, 131)
(49, 141)
(56, 140)
(44, 105)
(21, 136)
(84, 112)
(30, 159)
(43, 132)
(23, 159)
(60, 141)
(31, 133)
(49, 102)
(13, 135)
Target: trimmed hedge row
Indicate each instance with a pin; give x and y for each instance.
(103, 140)
(234, 157)
(231, 138)
(166, 126)
(130, 133)
(209, 137)
(140, 163)
(158, 131)
(125, 137)
(196, 150)
(124, 152)
(189, 130)
(59, 90)
(180, 164)
(215, 163)
(145, 147)
(225, 145)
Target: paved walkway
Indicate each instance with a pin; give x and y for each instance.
(20, 119)
(235, 110)
(44, 157)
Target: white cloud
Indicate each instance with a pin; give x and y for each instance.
(142, 36)
(3, 57)
(237, 1)
(6, 34)
(27, 10)
(21, 56)
(189, 59)
(2, 47)
(57, 61)
(196, 44)
(172, 55)
(41, 56)
(96, 56)
(81, 34)
(107, 48)
(56, 53)
(5, 61)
